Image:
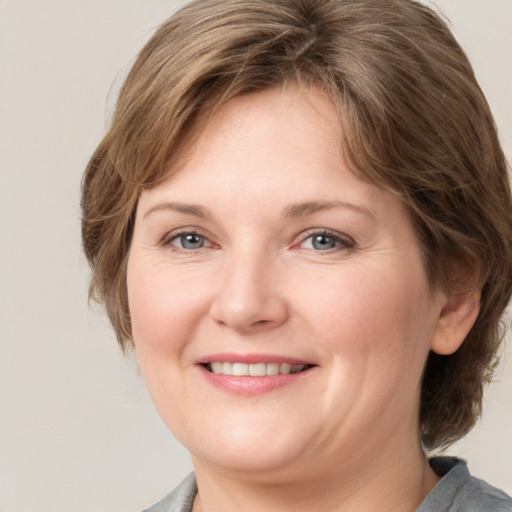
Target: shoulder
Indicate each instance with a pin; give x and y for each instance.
(458, 491)
(181, 499)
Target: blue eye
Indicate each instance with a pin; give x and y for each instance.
(189, 241)
(325, 241)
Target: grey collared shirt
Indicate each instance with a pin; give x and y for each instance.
(457, 491)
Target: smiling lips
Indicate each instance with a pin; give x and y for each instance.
(255, 369)
(253, 374)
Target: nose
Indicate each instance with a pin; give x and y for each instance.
(248, 298)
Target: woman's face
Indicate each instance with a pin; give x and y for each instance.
(263, 254)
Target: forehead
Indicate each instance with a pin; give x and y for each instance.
(266, 149)
(288, 114)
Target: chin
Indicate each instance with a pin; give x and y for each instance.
(250, 451)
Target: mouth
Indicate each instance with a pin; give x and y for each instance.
(254, 369)
(253, 374)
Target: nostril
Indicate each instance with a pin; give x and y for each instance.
(245, 307)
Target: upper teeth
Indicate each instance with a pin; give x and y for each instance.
(255, 370)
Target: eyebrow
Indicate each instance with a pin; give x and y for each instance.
(294, 210)
(188, 209)
(309, 208)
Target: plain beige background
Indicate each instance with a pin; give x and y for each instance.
(77, 430)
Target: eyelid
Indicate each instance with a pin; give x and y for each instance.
(166, 240)
(346, 242)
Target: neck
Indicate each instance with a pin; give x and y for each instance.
(395, 482)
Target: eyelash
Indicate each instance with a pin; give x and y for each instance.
(168, 239)
(345, 243)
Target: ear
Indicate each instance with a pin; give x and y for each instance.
(457, 315)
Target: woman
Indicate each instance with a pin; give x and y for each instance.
(301, 220)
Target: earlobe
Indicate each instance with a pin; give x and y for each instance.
(458, 314)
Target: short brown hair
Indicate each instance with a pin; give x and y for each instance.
(415, 122)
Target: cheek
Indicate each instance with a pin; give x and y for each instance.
(374, 314)
(165, 305)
